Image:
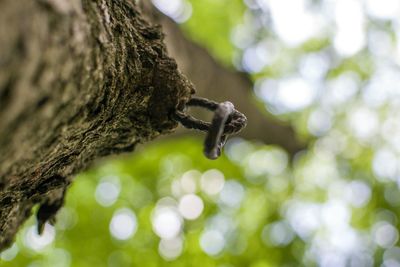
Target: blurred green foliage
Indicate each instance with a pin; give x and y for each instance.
(83, 237)
(211, 24)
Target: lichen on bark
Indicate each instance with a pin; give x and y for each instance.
(79, 79)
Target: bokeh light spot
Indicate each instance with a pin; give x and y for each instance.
(212, 182)
(38, 242)
(123, 224)
(107, 191)
(212, 242)
(385, 234)
(232, 194)
(167, 222)
(191, 206)
(170, 249)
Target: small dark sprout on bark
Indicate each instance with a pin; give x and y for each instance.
(226, 121)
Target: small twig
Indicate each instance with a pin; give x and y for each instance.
(213, 143)
(227, 120)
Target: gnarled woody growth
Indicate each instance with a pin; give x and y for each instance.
(78, 80)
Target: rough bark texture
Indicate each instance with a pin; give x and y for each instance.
(79, 79)
(214, 81)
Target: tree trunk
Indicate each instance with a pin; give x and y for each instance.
(78, 80)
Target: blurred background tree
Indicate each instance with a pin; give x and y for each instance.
(330, 68)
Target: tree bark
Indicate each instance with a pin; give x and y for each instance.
(78, 80)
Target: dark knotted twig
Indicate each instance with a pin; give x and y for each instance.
(227, 120)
